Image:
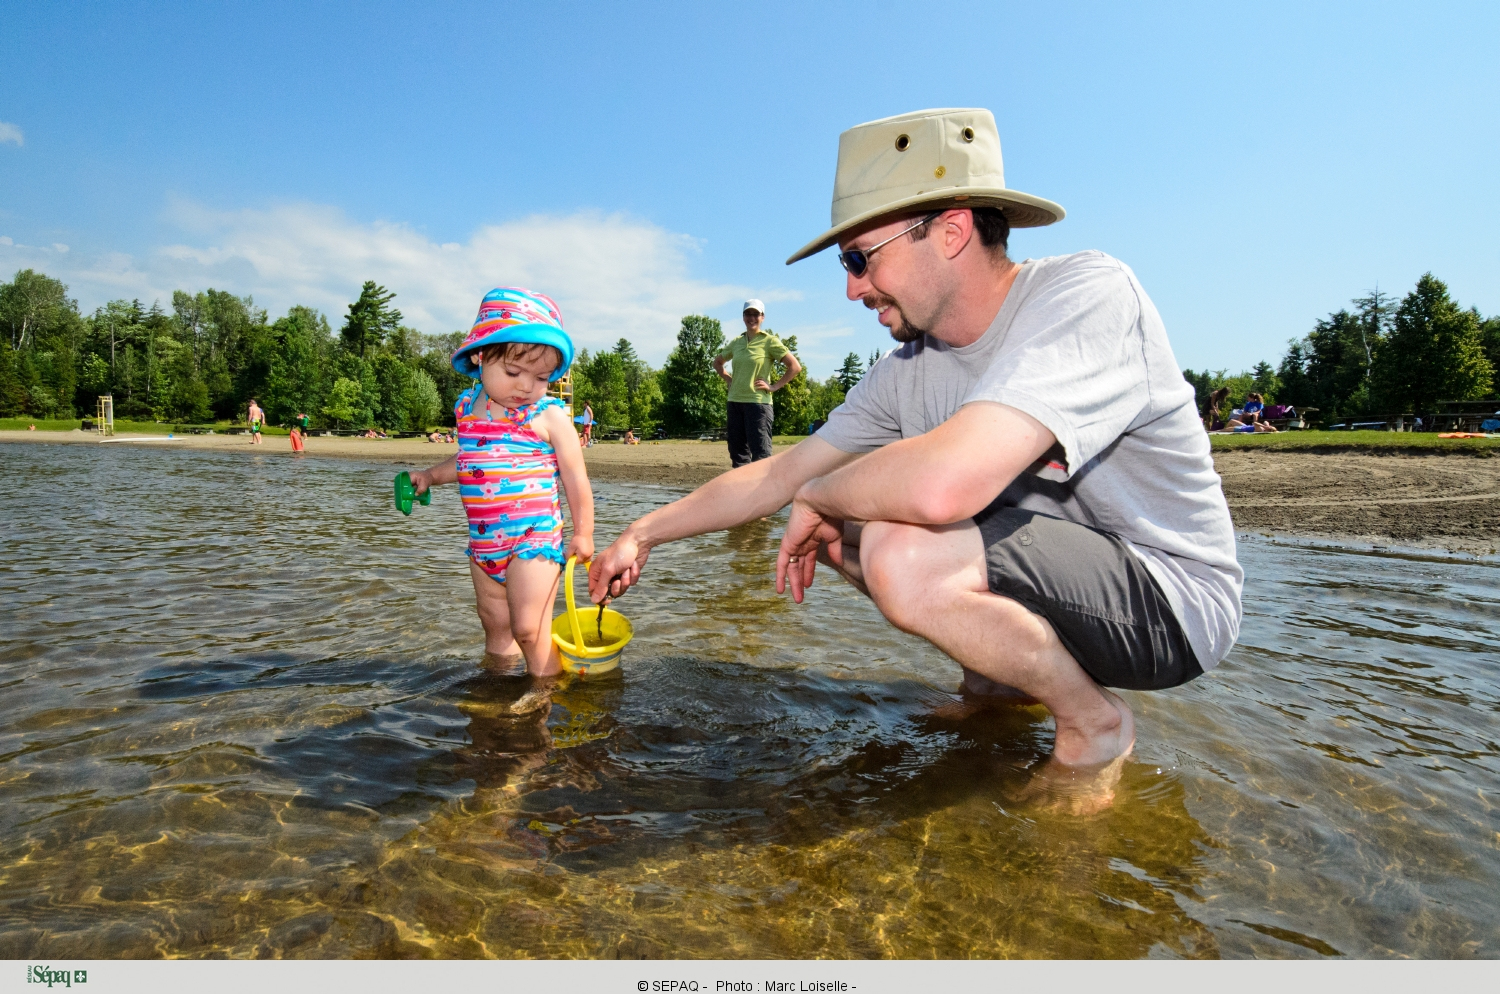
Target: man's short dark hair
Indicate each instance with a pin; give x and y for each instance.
(989, 222)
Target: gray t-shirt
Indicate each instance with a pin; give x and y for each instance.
(1079, 346)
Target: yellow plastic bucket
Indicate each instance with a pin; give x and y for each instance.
(568, 631)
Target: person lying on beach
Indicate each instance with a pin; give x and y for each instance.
(630, 438)
(514, 444)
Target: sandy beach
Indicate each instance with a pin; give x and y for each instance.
(1448, 500)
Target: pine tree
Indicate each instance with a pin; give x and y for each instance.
(371, 318)
(1433, 353)
(793, 402)
(693, 396)
(850, 373)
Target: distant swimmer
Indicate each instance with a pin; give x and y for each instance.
(256, 417)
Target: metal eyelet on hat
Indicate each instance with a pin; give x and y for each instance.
(968, 134)
(902, 143)
(940, 172)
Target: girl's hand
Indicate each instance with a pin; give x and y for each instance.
(420, 481)
(582, 546)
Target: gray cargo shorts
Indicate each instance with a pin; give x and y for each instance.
(1104, 604)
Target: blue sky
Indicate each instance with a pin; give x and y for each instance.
(1257, 166)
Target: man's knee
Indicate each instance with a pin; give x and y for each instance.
(891, 556)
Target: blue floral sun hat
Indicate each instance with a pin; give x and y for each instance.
(513, 314)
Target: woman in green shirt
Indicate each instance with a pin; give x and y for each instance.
(754, 356)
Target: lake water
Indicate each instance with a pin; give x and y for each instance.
(243, 715)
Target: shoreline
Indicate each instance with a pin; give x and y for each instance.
(1429, 500)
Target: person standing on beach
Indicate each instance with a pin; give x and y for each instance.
(1024, 481)
(255, 416)
(588, 425)
(753, 355)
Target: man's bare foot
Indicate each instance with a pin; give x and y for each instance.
(1106, 737)
(1086, 784)
(1071, 790)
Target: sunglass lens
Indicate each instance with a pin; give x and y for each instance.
(854, 262)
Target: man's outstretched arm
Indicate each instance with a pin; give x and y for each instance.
(753, 491)
(949, 474)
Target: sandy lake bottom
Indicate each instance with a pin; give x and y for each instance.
(244, 716)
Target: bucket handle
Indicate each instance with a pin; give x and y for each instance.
(572, 605)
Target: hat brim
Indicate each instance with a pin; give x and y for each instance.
(1021, 210)
(528, 334)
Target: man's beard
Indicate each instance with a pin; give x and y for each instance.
(903, 330)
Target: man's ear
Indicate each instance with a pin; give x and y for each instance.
(958, 231)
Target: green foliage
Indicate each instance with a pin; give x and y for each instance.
(693, 396)
(1205, 383)
(1266, 382)
(421, 403)
(1489, 340)
(345, 406)
(190, 402)
(599, 381)
(300, 342)
(1434, 352)
(825, 396)
(792, 403)
(850, 373)
(371, 318)
(30, 304)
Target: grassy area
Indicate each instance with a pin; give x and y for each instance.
(1347, 441)
(122, 426)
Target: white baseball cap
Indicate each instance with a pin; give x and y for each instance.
(753, 305)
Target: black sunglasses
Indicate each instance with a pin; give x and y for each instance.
(856, 261)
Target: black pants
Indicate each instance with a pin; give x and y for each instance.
(749, 432)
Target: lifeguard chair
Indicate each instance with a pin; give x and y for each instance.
(562, 389)
(104, 414)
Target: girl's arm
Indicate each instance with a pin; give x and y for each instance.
(575, 480)
(444, 472)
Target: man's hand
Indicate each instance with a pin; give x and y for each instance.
(617, 568)
(805, 531)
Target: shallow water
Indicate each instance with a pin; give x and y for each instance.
(244, 716)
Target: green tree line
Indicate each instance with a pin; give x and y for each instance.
(1378, 357)
(204, 359)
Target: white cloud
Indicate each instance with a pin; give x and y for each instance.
(611, 275)
(5, 240)
(11, 133)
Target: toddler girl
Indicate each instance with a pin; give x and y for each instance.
(514, 443)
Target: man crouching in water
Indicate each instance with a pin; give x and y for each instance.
(1036, 493)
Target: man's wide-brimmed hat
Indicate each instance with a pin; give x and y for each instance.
(929, 159)
(513, 314)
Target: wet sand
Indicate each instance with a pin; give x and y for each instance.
(1448, 500)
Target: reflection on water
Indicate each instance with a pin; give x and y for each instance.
(245, 716)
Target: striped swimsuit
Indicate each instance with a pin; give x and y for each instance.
(507, 479)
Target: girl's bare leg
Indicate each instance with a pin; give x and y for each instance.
(531, 588)
(494, 614)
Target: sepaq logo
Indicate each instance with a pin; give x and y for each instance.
(39, 974)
